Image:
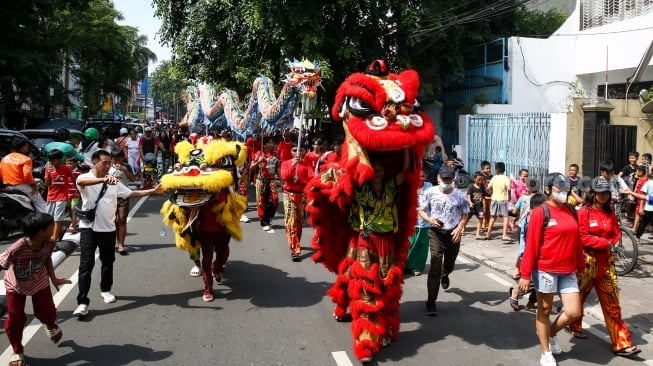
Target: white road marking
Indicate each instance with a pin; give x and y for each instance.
(30, 331)
(501, 281)
(463, 260)
(341, 358)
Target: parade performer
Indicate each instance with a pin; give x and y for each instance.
(295, 173)
(355, 203)
(203, 209)
(266, 166)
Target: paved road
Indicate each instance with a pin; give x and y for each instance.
(272, 311)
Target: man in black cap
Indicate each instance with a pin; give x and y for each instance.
(446, 209)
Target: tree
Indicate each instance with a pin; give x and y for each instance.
(167, 86)
(30, 54)
(231, 42)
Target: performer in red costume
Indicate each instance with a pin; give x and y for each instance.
(295, 173)
(356, 201)
(265, 164)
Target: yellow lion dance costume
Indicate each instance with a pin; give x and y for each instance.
(204, 174)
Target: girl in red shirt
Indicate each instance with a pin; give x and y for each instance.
(554, 260)
(599, 231)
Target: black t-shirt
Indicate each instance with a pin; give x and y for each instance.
(476, 195)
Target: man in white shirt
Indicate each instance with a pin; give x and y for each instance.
(101, 232)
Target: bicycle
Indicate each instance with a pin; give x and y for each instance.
(625, 251)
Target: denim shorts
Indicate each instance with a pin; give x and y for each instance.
(551, 283)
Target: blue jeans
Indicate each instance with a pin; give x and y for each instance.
(88, 242)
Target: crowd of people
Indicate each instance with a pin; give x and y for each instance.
(566, 227)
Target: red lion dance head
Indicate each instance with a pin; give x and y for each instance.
(379, 114)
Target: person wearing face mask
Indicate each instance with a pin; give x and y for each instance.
(446, 210)
(553, 259)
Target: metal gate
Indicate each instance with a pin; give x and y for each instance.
(519, 140)
(614, 143)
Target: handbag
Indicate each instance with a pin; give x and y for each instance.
(89, 215)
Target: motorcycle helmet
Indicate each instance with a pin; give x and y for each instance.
(149, 157)
(124, 131)
(61, 134)
(92, 133)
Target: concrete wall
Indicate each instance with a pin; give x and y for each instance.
(623, 114)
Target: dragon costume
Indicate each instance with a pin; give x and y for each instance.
(378, 113)
(262, 109)
(203, 174)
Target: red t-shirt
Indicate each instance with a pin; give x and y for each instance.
(312, 157)
(304, 174)
(557, 248)
(59, 189)
(284, 151)
(597, 228)
(253, 147)
(208, 218)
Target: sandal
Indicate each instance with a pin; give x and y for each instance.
(514, 302)
(195, 271)
(628, 351)
(576, 333)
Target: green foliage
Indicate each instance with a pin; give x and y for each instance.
(167, 86)
(42, 37)
(230, 42)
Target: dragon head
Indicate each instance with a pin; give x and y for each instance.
(203, 171)
(378, 110)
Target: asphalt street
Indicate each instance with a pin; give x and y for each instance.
(272, 311)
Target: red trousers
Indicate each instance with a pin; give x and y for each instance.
(218, 243)
(600, 274)
(44, 310)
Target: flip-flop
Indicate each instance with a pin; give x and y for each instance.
(506, 239)
(624, 353)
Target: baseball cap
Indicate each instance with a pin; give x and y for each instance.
(123, 131)
(533, 185)
(558, 180)
(600, 184)
(147, 129)
(446, 172)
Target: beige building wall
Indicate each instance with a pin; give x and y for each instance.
(629, 114)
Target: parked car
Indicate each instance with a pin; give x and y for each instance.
(38, 160)
(43, 136)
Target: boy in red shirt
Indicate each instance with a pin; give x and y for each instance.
(28, 263)
(57, 178)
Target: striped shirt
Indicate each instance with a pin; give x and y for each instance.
(26, 268)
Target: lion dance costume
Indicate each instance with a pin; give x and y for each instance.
(201, 186)
(378, 113)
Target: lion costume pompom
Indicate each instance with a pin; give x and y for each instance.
(378, 113)
(204, 173)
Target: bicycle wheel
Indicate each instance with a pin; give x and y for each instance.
(625, 253)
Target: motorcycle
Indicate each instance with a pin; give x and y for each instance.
(14, 205)
(461, 180)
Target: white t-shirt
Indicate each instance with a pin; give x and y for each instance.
(105, 213)
(132, 147)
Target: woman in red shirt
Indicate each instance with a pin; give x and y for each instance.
(554, 257)
(599, 231)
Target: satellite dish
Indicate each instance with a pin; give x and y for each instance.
(648, 107)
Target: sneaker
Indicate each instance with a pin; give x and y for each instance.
(54, 334)
(547, 359)
(17, 359)
(108, 297)
(431, 309)
(385, 342)
(445, 282)
(295, 257)
(81, 310)
(266, 227)
(417, 273)
(244, 218)
(554, 347)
